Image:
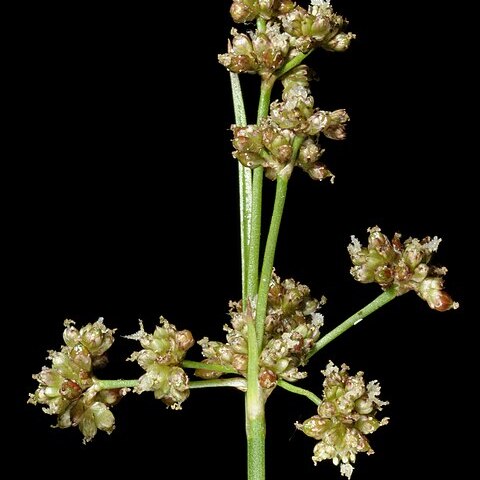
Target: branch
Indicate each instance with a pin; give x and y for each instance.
(300, 391)
(236, 382)
(380, 301)
(207, 366)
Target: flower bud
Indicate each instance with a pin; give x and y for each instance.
(367, 425)
(81, 357)
(242, 11)
(340, 42)
(267, 379)
(240, 363)
(431, 291)
(315, 426)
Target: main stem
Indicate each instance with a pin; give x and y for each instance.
(254, 400)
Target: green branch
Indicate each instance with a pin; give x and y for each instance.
(269, 256)
(380, 301)
(255, 234)
(295, 61)
(109, 384)
(237, 382)
(207, 366)
(244, 183)
(257, 188)
(300, 391)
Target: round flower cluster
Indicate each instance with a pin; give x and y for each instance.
(405, 266)
(292, 327)
(160, 357)
(346, 414)
(68, 388)
(288, 137)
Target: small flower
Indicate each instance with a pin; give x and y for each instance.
(404, 266)
(344, 418)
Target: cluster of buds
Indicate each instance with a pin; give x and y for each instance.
(292, 327)
(346, 414)
(243, 11)
(257, 52)
(303, 30)
(270, 143)
(404, 266)
(68, 388)
(319, 26)
(160, 357)
(288, 136)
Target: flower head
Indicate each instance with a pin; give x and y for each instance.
(346, 415)
(292, 327)
(161, 354)
(405, 266)
(68, 388)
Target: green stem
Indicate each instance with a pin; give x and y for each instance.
(244, 182)
(108, 384)
(269, 256)
(380, 301)
(257, 188)
(256, 447)
(292, 63)
(255, 234)
(254, 401)
(300, 391)
(237, 382)
(207, 366)
(254, 409)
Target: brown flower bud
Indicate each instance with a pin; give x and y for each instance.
(243, 11)
(267, 379)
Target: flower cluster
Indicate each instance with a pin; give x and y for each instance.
(243, 11)
(69, 389)
(290, 30)
(344, 418)
(292, 327)
(160, 357)
(288, 137)
(404, 266)
(319, 26)
(271, 143)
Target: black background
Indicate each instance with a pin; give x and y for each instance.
(124, 205)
